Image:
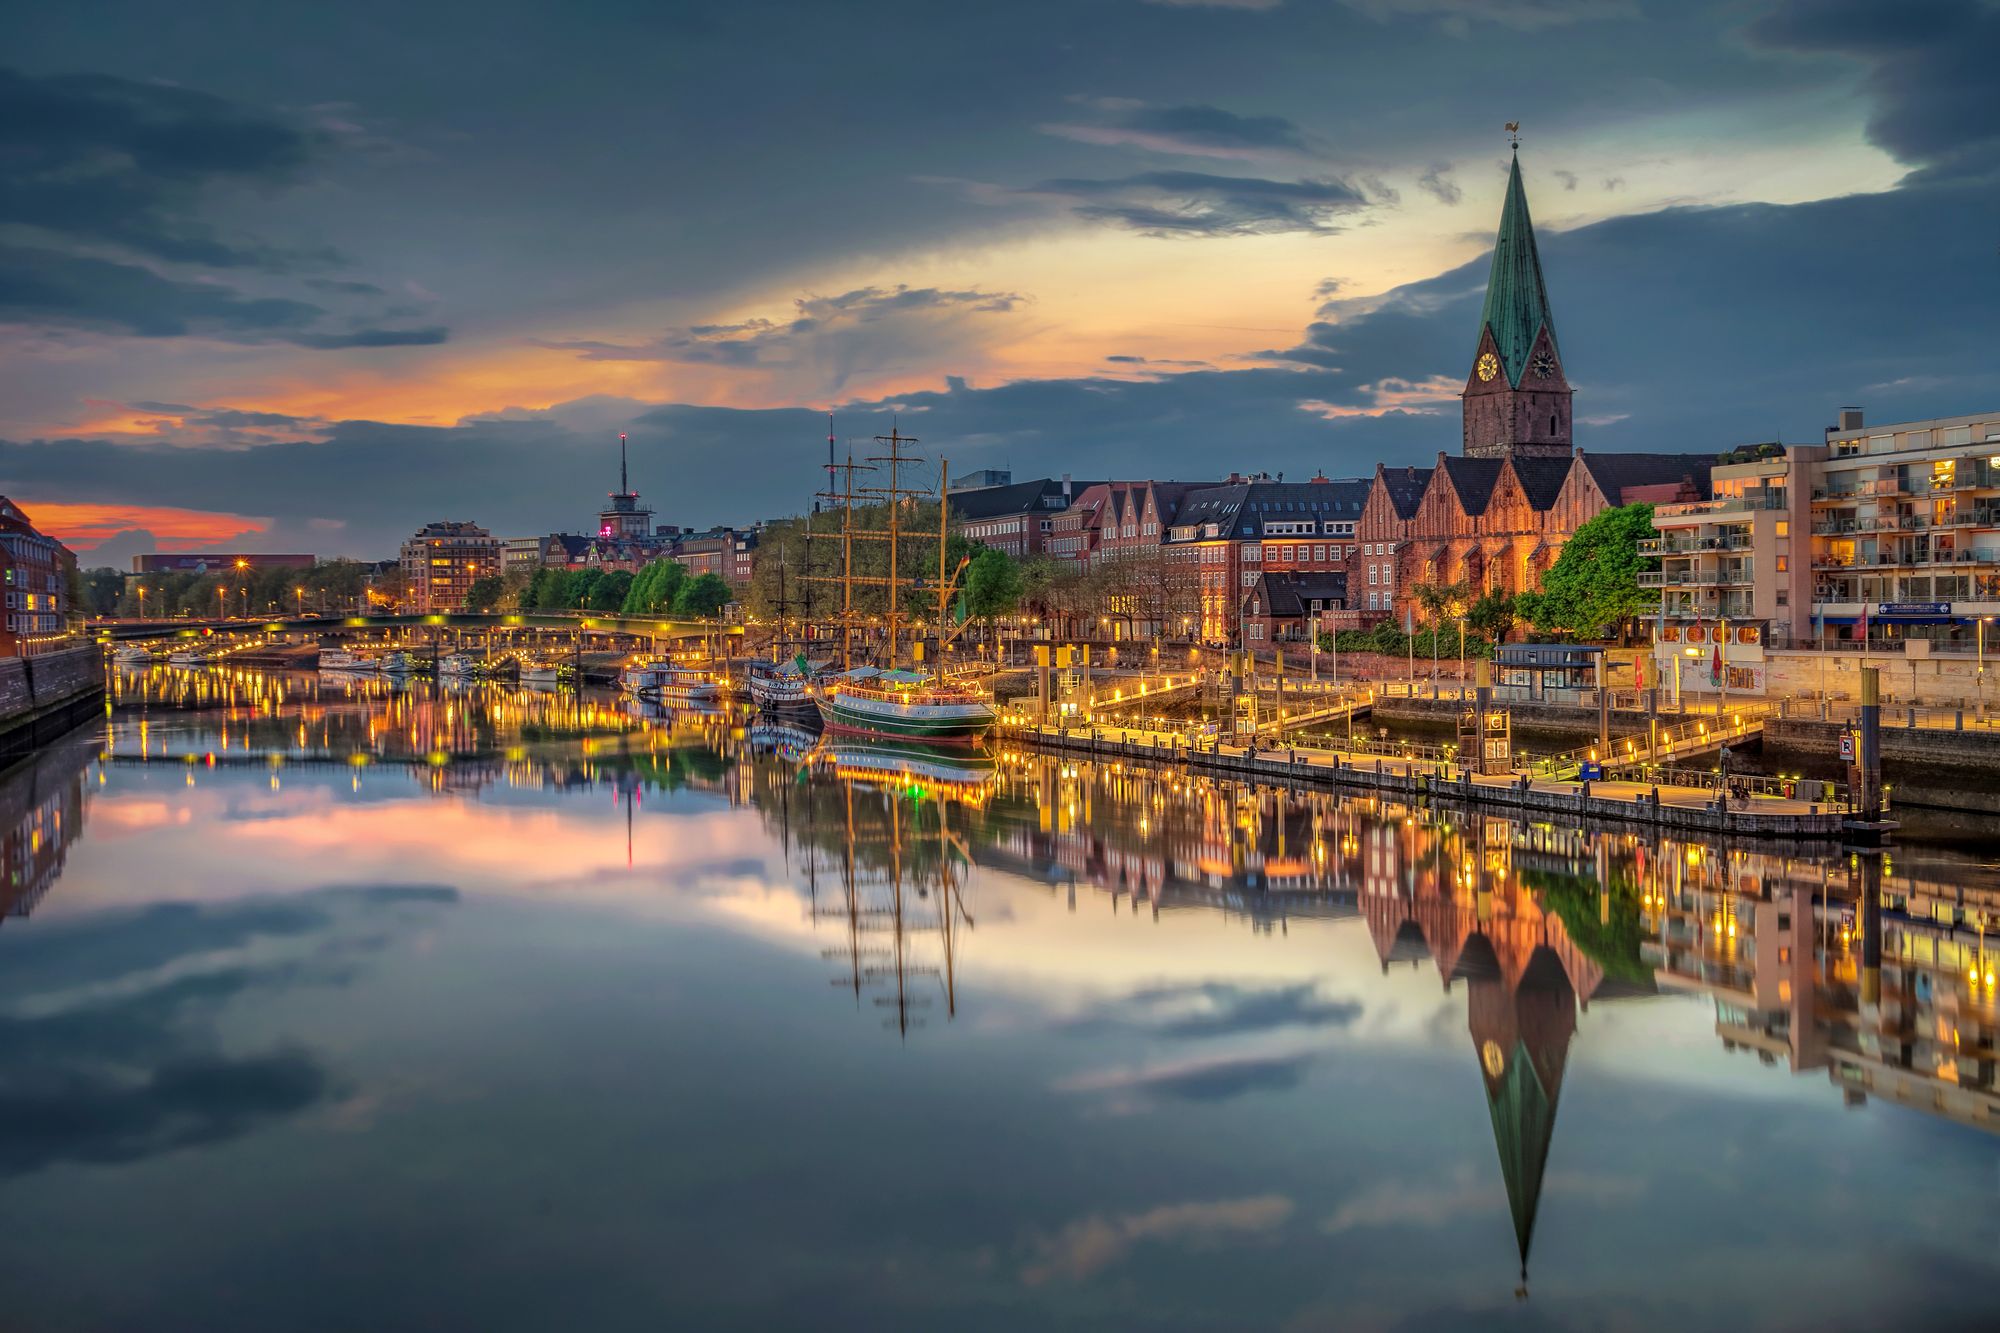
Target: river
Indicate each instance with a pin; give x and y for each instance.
(328, 1005)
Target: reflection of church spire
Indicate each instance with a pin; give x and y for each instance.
(1522, 1037)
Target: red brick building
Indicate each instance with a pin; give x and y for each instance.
(1227, 536)
(34, 569)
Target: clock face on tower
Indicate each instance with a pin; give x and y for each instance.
(1490, 1055)
(1545, 365)
(1489, 365)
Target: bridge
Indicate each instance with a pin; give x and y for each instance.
(643, 627)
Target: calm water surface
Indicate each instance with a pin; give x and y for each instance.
(336, 1007)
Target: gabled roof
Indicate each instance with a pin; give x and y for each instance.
(1405, 487)
(1473, 479)
(1287, 594)
(1613, 473)
(1245, 507)
(1541, 479)
(1517, 303)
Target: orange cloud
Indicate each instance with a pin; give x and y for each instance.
(83, 526)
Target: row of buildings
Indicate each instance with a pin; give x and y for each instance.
(1258, 558)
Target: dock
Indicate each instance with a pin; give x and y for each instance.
(1685, 809)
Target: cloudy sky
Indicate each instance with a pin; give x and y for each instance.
(296, 277)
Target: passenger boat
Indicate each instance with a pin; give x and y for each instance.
(784, 687)
(133, 655)
(399, 664)
(544, 673)
(188, 657)
(458, 666)
(903, 703)
(339, 659)
(669, 683)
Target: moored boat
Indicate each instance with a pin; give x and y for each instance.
(188, 657)
(544, 673)
(458, 666)
(133, 655)
(904, 703)
(669, 683)
(339, 659)
(399, 664)
(784, 687)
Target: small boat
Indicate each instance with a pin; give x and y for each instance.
(783, 687)
(909, 704)
(339, 659)
(188, 657)
(669, 683)
(458, 666)
(133, 655)
(544, 673)
(399, 664)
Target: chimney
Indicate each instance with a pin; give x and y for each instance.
(1850, 418)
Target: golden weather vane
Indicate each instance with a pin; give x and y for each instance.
(1514, 133)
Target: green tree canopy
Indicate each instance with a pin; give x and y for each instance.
(1592, 591)
(704, 596)
(485, 593)
(993, 584)
(610, 591)
(653, 591)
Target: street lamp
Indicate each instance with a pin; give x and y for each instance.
(142, 601)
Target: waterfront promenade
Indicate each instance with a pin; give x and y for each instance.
(1761, 813)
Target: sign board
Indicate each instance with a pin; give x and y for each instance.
(1913, 608)
(1592, 771)
(1847, 746)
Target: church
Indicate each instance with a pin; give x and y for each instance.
(1494, 516)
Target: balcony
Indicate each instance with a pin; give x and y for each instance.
(1734, 541)
(1735, 504)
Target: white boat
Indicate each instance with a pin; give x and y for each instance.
(339, 659)
(903, 703)
(189, 657)
(544, 673)
(399, 664)
(133, 655)
(458, 666)
(669, 683)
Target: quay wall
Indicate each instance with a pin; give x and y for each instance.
(44, 697)
(1927, 766)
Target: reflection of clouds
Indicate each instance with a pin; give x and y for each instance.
(1211, 1079)
(1091, 1244)
(1407, 1203)
(1216, 1009)
(106, 1049)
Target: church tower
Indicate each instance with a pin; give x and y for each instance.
(1516, 400)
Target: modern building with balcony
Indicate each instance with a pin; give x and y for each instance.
(1727, 581)
(442, 562)
(1905, 530)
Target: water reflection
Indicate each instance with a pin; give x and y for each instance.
(1097, 1023)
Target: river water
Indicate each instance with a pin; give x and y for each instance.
(329, 1005)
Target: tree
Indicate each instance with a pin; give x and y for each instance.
(99, 591)
(652, 593)
(702, 597)
(610, 591)
(1593, 590)
(485, 593)
(993, 587)
(1493, 615)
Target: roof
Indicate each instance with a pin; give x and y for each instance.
(1541, 479)
(1287, 594)
(1613, 473)
(1517, 303)
(1406, 487)
(1021, 497)
(1473, 479)
(1244, 508)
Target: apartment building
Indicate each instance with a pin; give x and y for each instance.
(442, 562)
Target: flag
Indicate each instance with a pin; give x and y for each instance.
(1715, 663)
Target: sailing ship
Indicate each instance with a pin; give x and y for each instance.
(904, 703)
(895, 702)
(782, 687)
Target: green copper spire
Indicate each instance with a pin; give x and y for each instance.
(1517, 305)
(1524, 1121)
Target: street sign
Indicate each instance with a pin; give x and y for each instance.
(1847, 746)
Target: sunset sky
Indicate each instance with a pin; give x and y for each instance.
(296, 277)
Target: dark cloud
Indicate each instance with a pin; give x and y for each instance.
(1936, 100)
(1190, 131)
(1567, 178)
(1458, 16)
(1192, 203)
(1436, 182)
(92, 157)
(55, 289)
(344, 287)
